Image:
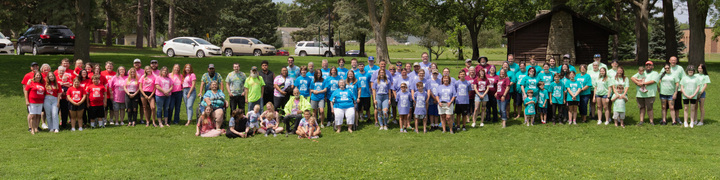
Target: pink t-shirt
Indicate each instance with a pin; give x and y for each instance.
(188, 80)
(164, 83)
(280, 81)
(176, 81)
(148, 84)
(132, 85)
(139, 72)
(116, 85)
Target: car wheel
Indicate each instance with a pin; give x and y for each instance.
(228, 52)
(171, 53)
(200, 54)
(302, 53)
(19, 51)
(257, 52)
(34, 50)
(328, 54)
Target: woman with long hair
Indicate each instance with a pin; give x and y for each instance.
(132, 98)
(668, 87)
(76, 97)
(34, 99)
(317, 97)
(176, 97)
(573, 88)
(381, 96)
(147, 82)
(163, 91)
(189, 94)
(602, 97)
(445, 94)
(206, 126)
(481, 97)
(690, 87)
(51, 102)
(117, 86)
(703, 74)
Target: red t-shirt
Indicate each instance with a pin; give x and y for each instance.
(502, 85)
(77, 71)
(36, 92)
(95, 94)
(107, 74)
(54, 92)
(482, 84)
(27, 78)
(85, 83)
(76, 94)
(492, 81)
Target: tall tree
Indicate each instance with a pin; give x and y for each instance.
(354, 24)
(669, 26)
(82, 34)
(642, 13)
(697, 15)
(139, 25)
(379, 24)
(171, 19)
(151, 36)
(252, 18)
(107, 7)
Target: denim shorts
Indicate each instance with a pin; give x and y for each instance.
(702, 95)
(603, 96)
(666, 97)
(484, 99)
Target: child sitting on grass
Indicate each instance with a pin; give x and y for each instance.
(238, 125)
(269, 125)
(308, 128)
(619, 106)
(530, 108)
(254, 119)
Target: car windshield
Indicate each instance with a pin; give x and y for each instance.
(324, 45)
(60, 31)
(202, 41)
(2, 36)
(256, 41)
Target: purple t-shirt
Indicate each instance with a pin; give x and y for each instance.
(382, 87)
(404, 102)
(445, 93)
(420, 103)
(463, 92)
(398, 82)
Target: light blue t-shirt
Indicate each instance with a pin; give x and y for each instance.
(445, 93)
(293, 72)
(547, 78)
(332, 84)
(304, 85)
(420, 103)
(364, 80)
(530, 83)
(382, 87)
(318, 86)
(325, 73)
(404, 102)
(342, 72)
(462, 88)
(343, 98)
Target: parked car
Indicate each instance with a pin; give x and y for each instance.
(313, 48)
(282, 53)
(189, 46)
(46, 39)
(354, 53)
(6, 46)
(246, 46)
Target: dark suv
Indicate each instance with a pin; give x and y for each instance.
(46, 39)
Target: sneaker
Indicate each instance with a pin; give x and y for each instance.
(394, 121)
(44, 126)
(314, 137)
(691, 125)
(641, 123)
(696, 122)
(463, 129)
(482, 124)
(599, 122)
(274, 135)
(73, 129)
(381, 128)
(607, 122)
(685, 124)
(122, 123)
(80, 129)
(112, 123)
(266, 135)
(92, 124)
(473, 125)
(329, 124)
(376, 124)
(322, 126)
(700, 124)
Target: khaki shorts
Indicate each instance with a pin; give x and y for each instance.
(445, 110)
(618, 115)
(645, 102)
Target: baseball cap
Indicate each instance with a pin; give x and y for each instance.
(33, 64)
(153, 61)
(416, 64)
(254, 68)
(649, 62)
(136, 61)
(211, 66)
(434, 71)
(482, 57)
(597, 56)
(468, 60)
(566, 56)
(371, 58)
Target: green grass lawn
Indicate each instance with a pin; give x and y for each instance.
(539, 152)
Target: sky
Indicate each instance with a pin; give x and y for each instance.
(680, 9)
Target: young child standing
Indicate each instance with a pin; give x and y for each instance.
(403, 99)
(619, 101)
(421, 99)
(573, 88)
(557, 91)
(543, 101)
(530, 107)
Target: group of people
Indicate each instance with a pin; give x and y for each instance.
(305, 98)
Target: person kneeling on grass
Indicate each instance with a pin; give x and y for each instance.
(530, 108)
(206, 125)
(619, 101)
(308, 127)
(269, 121)
(238, 125)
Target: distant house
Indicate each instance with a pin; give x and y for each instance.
(711, 45)
(286, 37)
(557, 32)
(129, 40)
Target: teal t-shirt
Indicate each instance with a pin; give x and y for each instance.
(547, 78)
(519, 76)
(573, 86)
(585, 80)
(556, 91)
(530, 108)
(530, 83)
(543, 96)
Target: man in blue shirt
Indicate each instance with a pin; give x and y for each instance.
(293, 70)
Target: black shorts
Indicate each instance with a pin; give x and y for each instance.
(95, 112)
(542, 110)
(689, 101)
(109, 107)
(517, 99)
(462, 109)
(364, 103)
(148, 94)
(678, 104)
(76, 108)
(573, 103)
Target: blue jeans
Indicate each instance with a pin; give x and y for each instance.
(503, 110)
(175, 102)
(189, 101)
(251, 105)
(584, 100)
(383, 101)
(162, 104)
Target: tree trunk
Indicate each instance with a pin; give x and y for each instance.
(697, 15)
(108, 25)
(380, 28)
(616, 37)
(151, 36)
(139, 23)
(473, 40)
(460, 43)
(361, 40)
(641, 32)
(82, 34)
(171, 20)
(670, 38)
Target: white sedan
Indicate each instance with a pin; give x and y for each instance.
(6, 46)
(189, 46)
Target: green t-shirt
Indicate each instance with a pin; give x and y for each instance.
(668, 84)
(611, 73)
(618, 104)
(254, 86)
(690, 84)
(652, 88)
(592, 71)
(601, 86)
(236, 82)
(677, 72)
